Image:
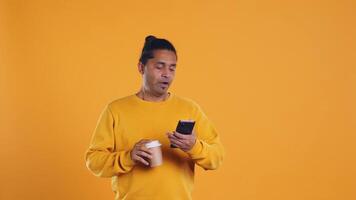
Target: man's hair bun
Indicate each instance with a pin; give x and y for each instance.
(153, 43)
(150, 38)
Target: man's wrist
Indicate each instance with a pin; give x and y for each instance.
(128, 158)
(195, 148)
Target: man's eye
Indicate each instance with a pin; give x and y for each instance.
(172, 69)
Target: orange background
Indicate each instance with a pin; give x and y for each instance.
(276, 77)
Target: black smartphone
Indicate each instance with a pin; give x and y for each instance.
(184, 127)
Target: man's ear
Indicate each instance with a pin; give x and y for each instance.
(140, 67)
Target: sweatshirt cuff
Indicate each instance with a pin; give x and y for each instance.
(196, 149)
(126, 160)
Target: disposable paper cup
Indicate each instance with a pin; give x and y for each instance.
(155, 146)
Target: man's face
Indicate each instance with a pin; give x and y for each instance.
(159, 71)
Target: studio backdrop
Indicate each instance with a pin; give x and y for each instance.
(277, 79)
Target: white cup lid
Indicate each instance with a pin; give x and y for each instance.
(154, 143)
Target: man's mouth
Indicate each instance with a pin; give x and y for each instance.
(164, 84)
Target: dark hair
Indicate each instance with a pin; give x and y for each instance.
(152, 43)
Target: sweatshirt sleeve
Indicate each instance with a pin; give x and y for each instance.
(208, 151)
(101, 159)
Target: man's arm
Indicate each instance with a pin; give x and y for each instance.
(207, 151)
(101, 159)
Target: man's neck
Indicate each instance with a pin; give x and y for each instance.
(147, 96)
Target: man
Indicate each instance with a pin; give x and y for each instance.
(118, 149)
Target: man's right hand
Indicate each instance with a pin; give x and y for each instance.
(140, 153)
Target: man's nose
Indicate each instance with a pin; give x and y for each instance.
(166, 72)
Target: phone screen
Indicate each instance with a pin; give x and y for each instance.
(184, 127)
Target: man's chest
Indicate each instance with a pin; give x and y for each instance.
(134, 126)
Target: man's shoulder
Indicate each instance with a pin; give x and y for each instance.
(187, 101)
(118, 102)
(184, 100)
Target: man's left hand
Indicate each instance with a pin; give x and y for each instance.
(182, 141)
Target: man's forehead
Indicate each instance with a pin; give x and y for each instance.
(164, 53)
(165, 56)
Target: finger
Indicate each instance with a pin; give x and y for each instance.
(170, 135)
(175, 137)
(145, 149)
(141, 160)
(177, 142)
(144, 154)
(180, 135)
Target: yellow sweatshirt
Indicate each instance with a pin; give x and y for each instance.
(127, 120)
